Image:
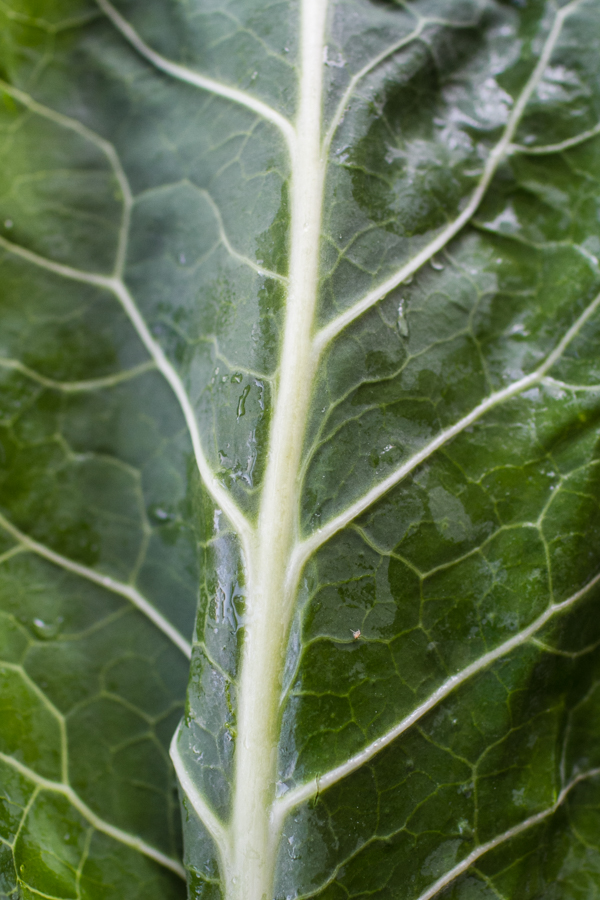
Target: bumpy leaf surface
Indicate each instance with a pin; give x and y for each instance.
(299, 419)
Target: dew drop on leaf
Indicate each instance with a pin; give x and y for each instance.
(241, 408)
(47, 630)
(160, 515)
(402, 323)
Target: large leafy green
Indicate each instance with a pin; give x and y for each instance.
(300, 382)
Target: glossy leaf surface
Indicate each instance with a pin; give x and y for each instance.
(299, 418)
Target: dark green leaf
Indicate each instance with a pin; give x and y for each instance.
(299, 381)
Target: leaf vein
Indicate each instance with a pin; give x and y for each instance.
(182, 73)
(125, 590)
(498, 153)
(118, 834)
(304, 792)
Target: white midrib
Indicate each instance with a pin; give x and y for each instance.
(269, 599)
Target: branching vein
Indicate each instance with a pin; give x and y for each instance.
(76, 387)
(99, 824)
(117, 287)
(305, 549)
(385, 54)
(182, 73)
(468, 861)
(103, 145)
(214, 827)
(304, 792)
(559, 147)
(261, 270)
(499, 152)
(111, 584)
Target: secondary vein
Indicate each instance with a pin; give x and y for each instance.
(468, 861)
(117, 287)
(182, 73)
(499, 152)
(75, 387)
(316, 785)
(112, 584)
(118, 834)
(307, 547)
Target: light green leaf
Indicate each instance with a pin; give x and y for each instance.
(299, 421)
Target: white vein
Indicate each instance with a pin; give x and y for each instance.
(16, 550)
(117, 287)
(213, 825)
(544, 149)
(118, 587)
(99, 824)
(468, 861)
(389, 51)
(308, 546)
(305, 791)
(497, 154)
(75, 387)
(103, 145)
(567, 386)
(61, 269)
(219, 493)
(52, 709)
(261, 270)
(182, 73)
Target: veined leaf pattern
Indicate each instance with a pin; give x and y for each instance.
(300, 399)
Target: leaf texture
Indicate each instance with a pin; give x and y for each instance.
(299, 419)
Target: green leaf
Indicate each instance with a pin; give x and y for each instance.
(299, 427)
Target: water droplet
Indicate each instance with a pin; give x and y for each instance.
(160, 515)
(47, 630)
(182, 259)
(261, 393)
(402, 323)
(8, 223)
(436, 264)
(241, 408)
(236, 378)
(281, 788)
(463, 826)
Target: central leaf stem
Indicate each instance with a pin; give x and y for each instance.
(271, 593)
